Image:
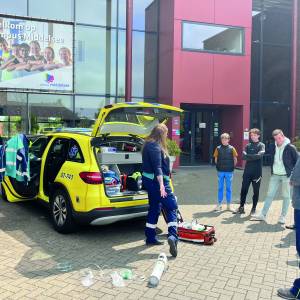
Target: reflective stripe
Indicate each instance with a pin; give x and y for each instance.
(172, 224)
(257, 180)
(19, 157)
(10, 163)
(22, 173)
(148, 175)
(151, 176)
(11, 150)
(153, 226)
(2, 170)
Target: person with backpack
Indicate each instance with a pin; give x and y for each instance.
(284, 156)
(253, 155)
(226, 159)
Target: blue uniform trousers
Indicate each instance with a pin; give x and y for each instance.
(295, 290)
(156, 203)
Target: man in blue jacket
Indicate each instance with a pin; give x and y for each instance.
(294, 292)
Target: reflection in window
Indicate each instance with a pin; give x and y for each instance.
(12, 114)
(87, 110)
(96, 61)
(203, 37)
(276, 74)
(54, 9)
(49, 112)
(97, 12)
(145, 15)
(91, 60)
(18, 8)
(144, 64)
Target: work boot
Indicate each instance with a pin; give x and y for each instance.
(154, 243)
(173, 245)
(286, 294)
(240, 210)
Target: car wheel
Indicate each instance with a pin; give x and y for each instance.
(3, 194)
(61, 212)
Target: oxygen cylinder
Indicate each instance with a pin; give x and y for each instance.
(159, 268)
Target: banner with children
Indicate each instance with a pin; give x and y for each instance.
(36, 55)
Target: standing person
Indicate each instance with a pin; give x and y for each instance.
(226, 159)
(253, 155)
(294, 292)
(283, 159)
(156, 180)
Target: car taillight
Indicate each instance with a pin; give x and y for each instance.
(91, 177)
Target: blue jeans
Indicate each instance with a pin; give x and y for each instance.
(274, 184)
(227, 177)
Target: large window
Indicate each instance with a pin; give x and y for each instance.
(97, 64)
(18, 8)
(145, 49)
(13, 113)
(145, 14)
(54, 9)
(48, 112)
(212, 38)
(87, 110)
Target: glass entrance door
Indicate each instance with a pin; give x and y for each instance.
(199, 136)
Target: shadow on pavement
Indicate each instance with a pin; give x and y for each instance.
(287, 240)
(258, 226)
(208, 214)
(236, 218)
(115, 245)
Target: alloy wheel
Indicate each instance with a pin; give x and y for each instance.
(60, 210)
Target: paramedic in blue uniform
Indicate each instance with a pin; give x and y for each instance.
(156, 181)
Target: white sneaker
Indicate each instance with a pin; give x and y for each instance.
(228, 207)
(281, 220)
(259, 217)
(218, 208)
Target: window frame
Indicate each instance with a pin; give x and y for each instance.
(74, 142)
(242, 29)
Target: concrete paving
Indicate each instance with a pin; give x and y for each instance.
(250, 260)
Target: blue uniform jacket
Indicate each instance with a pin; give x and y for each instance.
(2, 162)
(154, 160)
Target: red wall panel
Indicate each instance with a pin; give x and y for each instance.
(195, 10)
(231, 82)
(233, 12)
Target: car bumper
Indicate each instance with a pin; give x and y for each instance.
(104, 217)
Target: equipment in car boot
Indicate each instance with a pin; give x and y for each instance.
(129, 148)
(134, 181)
(123, 182)
(111, 180)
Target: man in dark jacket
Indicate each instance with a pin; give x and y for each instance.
(294, 292)
(283, 159)
(253, 155)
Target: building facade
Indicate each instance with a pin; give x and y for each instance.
(221, 61)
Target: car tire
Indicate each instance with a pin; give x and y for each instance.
(3, 194)
(61, 212)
